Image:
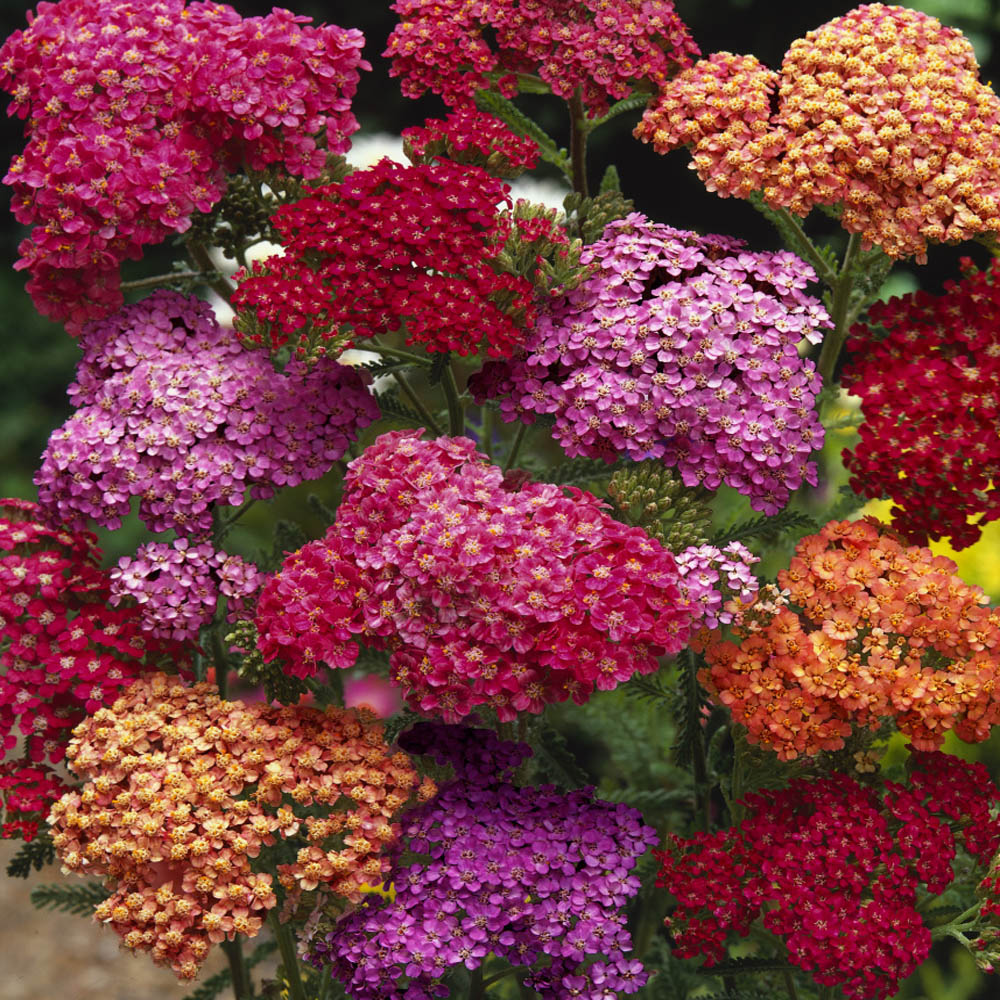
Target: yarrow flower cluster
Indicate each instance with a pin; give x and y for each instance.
(834, 868)
(63, 653)
(137, 111)
(718, 583)
(184, 790)
(680, 347)
(389, 245)
(517, 872)
(173, 411)
(866, 629)
(177, 587)
(603, 47)
(939, 457)
(880, 110)
(485, 592)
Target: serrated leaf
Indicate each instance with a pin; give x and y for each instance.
(556, 762)
(439, 366)
(753, 527)
(621, 107)
(610, 182)
(390, 405)
(519, 122)
(80, 899)
(746, 966)
(32, 855)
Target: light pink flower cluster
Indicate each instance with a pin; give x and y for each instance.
(717, 582)
(485, 590)
(173, 411)
(177, 586)
(137, 109)
(602, 47)
(833, 868)
(880, 111)
(184, 791)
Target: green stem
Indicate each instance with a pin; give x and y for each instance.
(417, 403)
(515, 447)
(163, 279)
(954, 928)
(476, 986)
(219, 284)
(839, 312)
(238, 971)
(225, 525)
(395, 352)
(790, 985)
(578, 143)
(486, 422)
(497, 976)
(456, 414)
(289, 960)
(699, 762)
(824, 272)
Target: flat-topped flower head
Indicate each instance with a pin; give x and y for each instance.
(174, 412)
(185, 790)
(603, 48)
(833, 867)
(927, 370)
(867, 629)
(136, 111)
(880, 111)
(521, 873)
(485, 592)
(679, 347)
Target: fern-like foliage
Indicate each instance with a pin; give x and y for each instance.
(554, 761)
(32, 855)
(823, 259)
(519, 122)
(214, 985)
(746, 966)
(688, 703)
(439, 365)
(763, 526)
(391, 406)
(580, 471)
(79, 898)
(621, 107)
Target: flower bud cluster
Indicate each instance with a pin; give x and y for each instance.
(485, 591)
(137, 111)
(522, 873)
(834, 867)
(184, 791)
(678, 347)
(880, 111)
(866, 629)
(602, 47)
(172, 410)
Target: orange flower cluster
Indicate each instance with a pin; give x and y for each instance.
(185, 789)
(867, 629)
(881, 110)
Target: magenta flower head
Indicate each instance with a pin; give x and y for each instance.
(172, 410)
(485, 592)
(533, 875)
(603, 47)
(679, 347)
(136, 111)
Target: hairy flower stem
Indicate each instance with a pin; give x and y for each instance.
(219, 284)
(289, 960)
(486, 421)
(456, 414)
(155, 280)
(699, 762)
(804, 248)
(238, 971)
(578, 143)
(840, 312)
(417, 403)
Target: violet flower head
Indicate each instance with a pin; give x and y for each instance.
(679, 347)
(531, 875)
(173, 411)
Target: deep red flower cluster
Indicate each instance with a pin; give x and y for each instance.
(485, 591)
(834, 868)
(937, 457)
(137, 109)
(603, 47)
(388, 246)
(64, 651)
(27, 793)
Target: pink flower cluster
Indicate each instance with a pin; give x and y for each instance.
(177, 587)
(880, 112)
(486, 592)
(390, 246)
(834, 868)
(173, 411)
(136, 111)
(63, 651)
(718, 583)
(602, 47)
(681, 347)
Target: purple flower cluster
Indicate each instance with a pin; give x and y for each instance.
(174, 411)
(177, 587)
(717, 582)
(525, 874)
(681, 347)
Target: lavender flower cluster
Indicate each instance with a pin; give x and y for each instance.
(177, 587)
(681, 347)
(519, 873)
(717, 582)
(173, 410)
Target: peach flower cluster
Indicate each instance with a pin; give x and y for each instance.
(184, 790)
(867, 629)
(880, 110)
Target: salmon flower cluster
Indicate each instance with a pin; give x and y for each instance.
(880, 110)
(185, 790)
(867, 629)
